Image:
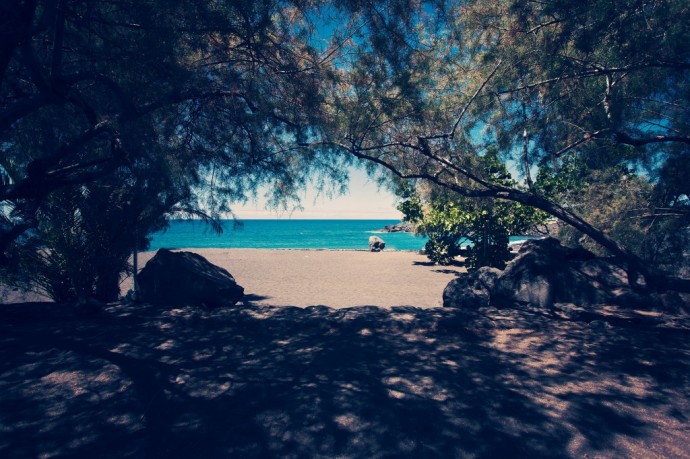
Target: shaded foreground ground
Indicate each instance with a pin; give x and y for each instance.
(366, 382)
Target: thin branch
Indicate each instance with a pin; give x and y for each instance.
(626, 139)
(451, 133)
(595, 73)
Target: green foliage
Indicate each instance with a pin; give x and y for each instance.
(412, 210)
(197, 104)
(444, 225)
(449, 220)
(86, 234)
(632, 210)
(113, 115)
(561, 180)
(575, 92)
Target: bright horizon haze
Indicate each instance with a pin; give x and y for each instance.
(364, 200)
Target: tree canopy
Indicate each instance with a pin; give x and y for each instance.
(161, 106)
(601, 83)
(143, 108)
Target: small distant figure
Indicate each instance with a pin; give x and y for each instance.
(376, 244)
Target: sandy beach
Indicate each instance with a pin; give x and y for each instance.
(335, 278)
(366, 377)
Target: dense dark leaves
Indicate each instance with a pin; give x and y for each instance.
(550, 84)
(145, 107)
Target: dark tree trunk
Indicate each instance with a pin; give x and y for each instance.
(16, 21)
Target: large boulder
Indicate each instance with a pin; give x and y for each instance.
(185, 278)
(471, 290)
(376, 244)
(545, 273)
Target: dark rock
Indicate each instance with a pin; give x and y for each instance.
(185, 278)
(88, 306)
(376, 244)
(397, 228)
(471, 290)
(545, 272)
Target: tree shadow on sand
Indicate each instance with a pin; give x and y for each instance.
(133, 381)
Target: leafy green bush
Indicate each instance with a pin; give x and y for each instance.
(449, 220)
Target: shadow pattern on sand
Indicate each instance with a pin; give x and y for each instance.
(133, 381)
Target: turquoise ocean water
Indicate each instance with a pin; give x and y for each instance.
(285, 234)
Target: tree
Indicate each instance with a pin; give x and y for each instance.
(172, 104)
(449, 220)
(604, 81)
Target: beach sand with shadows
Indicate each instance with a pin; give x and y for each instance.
(259, 381)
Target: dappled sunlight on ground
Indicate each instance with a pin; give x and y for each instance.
(260, 381)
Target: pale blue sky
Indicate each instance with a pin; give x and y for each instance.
(363, 200)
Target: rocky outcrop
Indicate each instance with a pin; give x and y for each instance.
(185, 278)
(545, 273)
(397, 228)
(376, 244)
(471, 290)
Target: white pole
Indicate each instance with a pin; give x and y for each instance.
(135, 287)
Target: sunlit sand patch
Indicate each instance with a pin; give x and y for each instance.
(122, 348)
(127, 421)
(178, 312)
(395, 394)
(94, 386)
(258, 314)
(71, 381)
(166, 345)
(199, 389)
(449, 347)
(403, 317)
(450, 363)
(308, 350)
(350, 422)
(349, 387)
(419, 338)
(421, 387)
(515, 340)
(56, 410)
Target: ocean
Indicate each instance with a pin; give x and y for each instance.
(285, 234)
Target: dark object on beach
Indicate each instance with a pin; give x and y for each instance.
(397, 228)
(471, 290)
(376, 244)
(545, 273)
(185, 278)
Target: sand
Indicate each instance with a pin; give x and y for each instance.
(331, 277)
(254, 381)
(362, 382)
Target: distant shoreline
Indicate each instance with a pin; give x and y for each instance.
(295, 249)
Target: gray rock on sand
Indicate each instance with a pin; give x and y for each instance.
(185, 278)
(545, 273)
(376, 244)
(471, 290)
